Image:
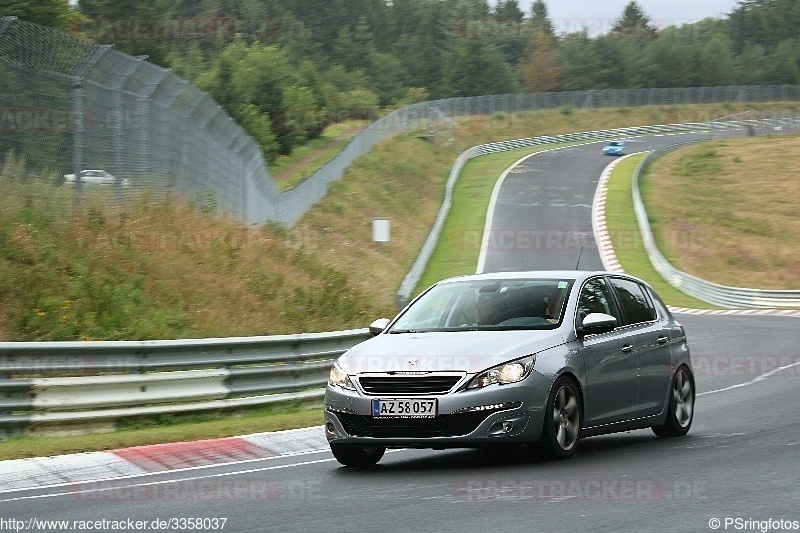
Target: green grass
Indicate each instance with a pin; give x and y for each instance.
(726, 211)
(703, 162)
(289, 171)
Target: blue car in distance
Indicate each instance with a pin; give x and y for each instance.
(614, 148)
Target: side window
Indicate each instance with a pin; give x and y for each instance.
(634, 301)
(596, 298)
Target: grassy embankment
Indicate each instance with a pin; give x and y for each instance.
(726, 211)
(290, 170)
(166, 270)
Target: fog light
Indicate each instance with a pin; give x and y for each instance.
(508, 427)
(330, 429)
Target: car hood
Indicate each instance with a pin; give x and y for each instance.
(465, 351)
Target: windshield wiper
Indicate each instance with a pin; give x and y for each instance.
(403, 331)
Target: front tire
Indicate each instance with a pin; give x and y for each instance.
(350, 455)
(680, 409)
(563, 418)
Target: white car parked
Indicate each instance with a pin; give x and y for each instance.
(95, 177)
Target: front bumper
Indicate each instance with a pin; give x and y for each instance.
(497, 414)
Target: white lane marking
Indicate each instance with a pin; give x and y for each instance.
(487, 227)
(599, 225)
(792, 313)
(102, 484)
(101, 488)
(159, 473)
(762, 377)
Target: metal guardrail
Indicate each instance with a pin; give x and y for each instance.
(68, 383)
(713, 293)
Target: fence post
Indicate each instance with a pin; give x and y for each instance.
(79, 128)
(78, 140)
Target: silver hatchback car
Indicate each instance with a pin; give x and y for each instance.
(539, 358)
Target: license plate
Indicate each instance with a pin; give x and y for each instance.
(405, 408)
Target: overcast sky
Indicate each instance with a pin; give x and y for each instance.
(573, 15)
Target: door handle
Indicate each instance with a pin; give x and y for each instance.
(627, 348)
(662, 340)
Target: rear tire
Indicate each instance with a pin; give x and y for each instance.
(351, 455)
(562, 421)
(680, 408)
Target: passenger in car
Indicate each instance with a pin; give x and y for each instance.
(554, 301)
(486, 311)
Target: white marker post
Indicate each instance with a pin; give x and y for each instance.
(381, 229)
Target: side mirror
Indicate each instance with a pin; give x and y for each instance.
(596, 323)
(377, 327)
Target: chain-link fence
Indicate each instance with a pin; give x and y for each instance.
(68, 107)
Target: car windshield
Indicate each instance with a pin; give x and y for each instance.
(487, 305)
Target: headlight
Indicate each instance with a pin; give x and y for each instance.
(504, 374)
(339, 378)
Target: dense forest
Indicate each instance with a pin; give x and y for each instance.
(287, 68)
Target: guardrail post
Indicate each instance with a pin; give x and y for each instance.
(5, 413)
(14, 396)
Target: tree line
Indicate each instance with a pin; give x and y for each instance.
(285, 69)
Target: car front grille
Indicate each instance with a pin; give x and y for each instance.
(408, 384)
(453, 425)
